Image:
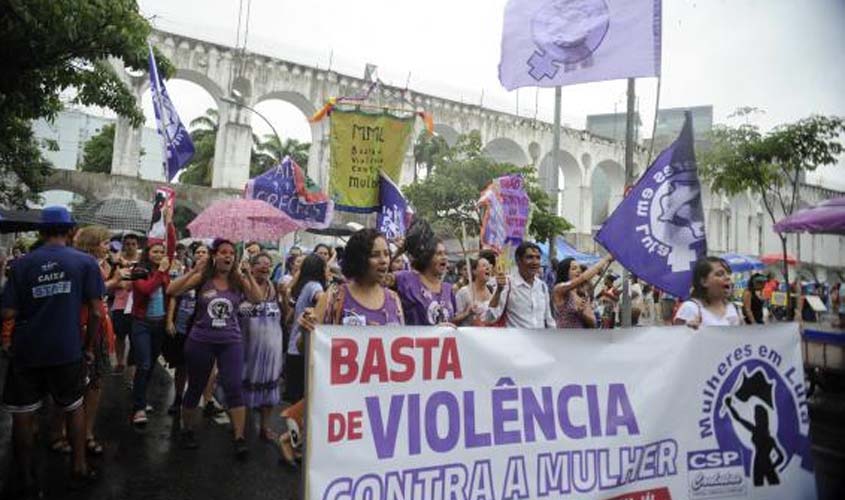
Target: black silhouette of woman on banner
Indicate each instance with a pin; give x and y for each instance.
(764, 444)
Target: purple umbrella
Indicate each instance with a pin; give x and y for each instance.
(828, 217)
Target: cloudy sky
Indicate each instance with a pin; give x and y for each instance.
(782, 56)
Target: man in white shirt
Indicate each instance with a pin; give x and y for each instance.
(524, 298)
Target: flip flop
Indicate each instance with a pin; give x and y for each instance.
(61, 446)
(286, 451)
(93, 446)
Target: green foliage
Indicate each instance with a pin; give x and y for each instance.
(97, 152)
(771, 165)
(429, 149)
(181, 217)
(447, 197)
(270, 151)
(265, 154)
(203, 134)
(47, 48)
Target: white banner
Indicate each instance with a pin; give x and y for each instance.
(471, 414)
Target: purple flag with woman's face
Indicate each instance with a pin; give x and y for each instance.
(657, 232)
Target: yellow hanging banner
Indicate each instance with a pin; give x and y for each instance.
(362, 144)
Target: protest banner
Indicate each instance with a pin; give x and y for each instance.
(164, 202)
(506, 207)
(287, 188)
(417, 413)
(362, 145)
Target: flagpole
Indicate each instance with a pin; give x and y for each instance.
(551, 176)
(629, 181)
(156, 95)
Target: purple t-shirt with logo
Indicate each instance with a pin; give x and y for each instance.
(421, 305)
(216, 319)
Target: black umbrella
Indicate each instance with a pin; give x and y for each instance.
(117, 214)
(19, 221)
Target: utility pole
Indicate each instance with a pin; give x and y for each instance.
(629, 181)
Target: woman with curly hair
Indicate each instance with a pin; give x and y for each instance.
(426, 298)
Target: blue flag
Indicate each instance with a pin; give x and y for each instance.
(394, 213)
(657, 232)
(178, 149)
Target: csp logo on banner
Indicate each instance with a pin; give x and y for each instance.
(754, 425)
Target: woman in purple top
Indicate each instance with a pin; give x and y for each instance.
(571, 304)
(216, 335)
(426, 298)
(362, 301)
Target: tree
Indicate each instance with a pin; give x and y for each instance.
(97, 152)
(447, 197)
(771, 165)
(428, 150)
(204, 135)
(48, 47)
(270, 151)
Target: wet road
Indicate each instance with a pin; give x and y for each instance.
(150, 465)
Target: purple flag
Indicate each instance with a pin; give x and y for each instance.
(394, 214)
(287, 188)
(657, 232)
(178, 149)
(547, 43)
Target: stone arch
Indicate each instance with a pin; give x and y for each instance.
(447, 132)
(195, 77)
(607, 182)
(563, 185)
(504, 150)
(307, 108)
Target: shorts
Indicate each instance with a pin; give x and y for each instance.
(122, 323)
(26, 386)
(173, 350)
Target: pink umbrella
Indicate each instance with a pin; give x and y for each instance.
(240, 220)
(828, 217)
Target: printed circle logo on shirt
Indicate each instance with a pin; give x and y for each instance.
(436, 313)
(220, 310)
(756, 422)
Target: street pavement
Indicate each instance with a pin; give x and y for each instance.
(149, 464)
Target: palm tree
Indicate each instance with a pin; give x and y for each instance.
(270, 152)
(203, 134)
(429, 149)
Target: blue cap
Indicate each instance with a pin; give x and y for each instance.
(56, 216)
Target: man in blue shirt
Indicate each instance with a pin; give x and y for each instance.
(44, 296)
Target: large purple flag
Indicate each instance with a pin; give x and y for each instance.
(178, 146)
(547, 43)
(657, 232)
(394, 214)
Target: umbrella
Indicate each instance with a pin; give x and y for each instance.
(19, 221)
(828, 217)
(742, 263)
(119, 214)
(777, 258)
(240, 220)
(565, 250)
